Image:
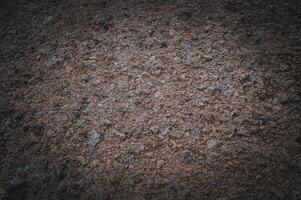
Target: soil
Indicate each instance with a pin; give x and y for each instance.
(193, 99)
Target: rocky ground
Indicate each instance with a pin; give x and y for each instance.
(144, 99)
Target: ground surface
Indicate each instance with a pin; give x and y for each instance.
(150, 99)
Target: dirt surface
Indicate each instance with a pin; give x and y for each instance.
(150, 99)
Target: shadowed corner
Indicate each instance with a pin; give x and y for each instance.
(150, 99)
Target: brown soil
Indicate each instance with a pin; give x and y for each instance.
(150, 99)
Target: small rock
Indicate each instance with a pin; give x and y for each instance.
(74, 115)
(276, 103)
(187, 157)
(62, 187)
(187, 46)
(154, 129)
(202, 87)
(84, 101)
(58, 170)
(48, 20)
(177, 59)
(140, 148)
(160, 164)
(139, 177)
(57, 60)
(119, 133)
(152, 58)
(149, 154)
(17, 182)
(103, 22)
(201, 102)
(127, 157)
(93, 138)
(44, 51)
(212, 143)
(196, 132)
(163, 131)
(229, 92)
(89, 108)
(157, 73)
(82, 160)
(232, 132)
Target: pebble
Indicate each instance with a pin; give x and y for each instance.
(212, 143)
(48, 20)
(17, 182)
(187, 157)
(119, 133)
(278, 100)
(58, 170)
(160, 164)
(201, 102)
(93, 138)
(44, 51)
(149, 154)
(196, 132)
(74, 115)
(82, 160)
(163, 131)
(157, 73)
(103, 22)
(57, 60)
(187, 46)
(139, 149)
(276, 103)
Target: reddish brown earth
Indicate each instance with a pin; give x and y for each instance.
(150, 99)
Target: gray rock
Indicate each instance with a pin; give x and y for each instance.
(127, 157)
(164, 131)
(58, 170)
(58, 60)
(229, 91)
(82, 160)
(93, 138)
(119, 133)
(17, 182)
(103, 22)
(196, 132)
(212, 143)
(201, 102)
(187, 46)
(48, 20)
(44, 51)
(139, 148)
(74, 115)
(187, 156)
(160, 163)
(62, 186)
(276, 103)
